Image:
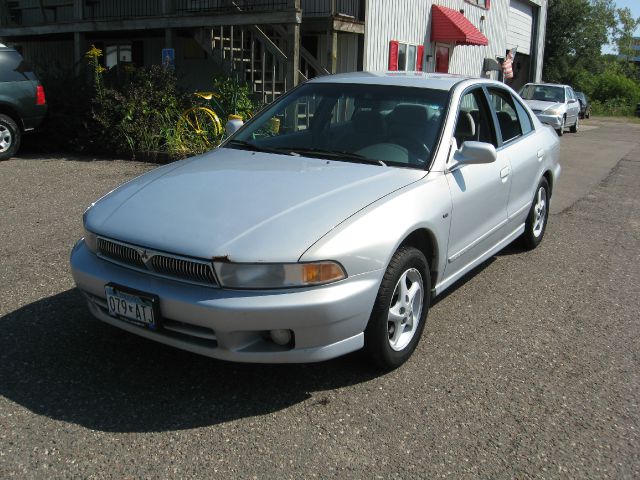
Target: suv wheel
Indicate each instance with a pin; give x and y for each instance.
(9, 137)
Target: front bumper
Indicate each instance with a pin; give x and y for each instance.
(327, 321)
(554, 120)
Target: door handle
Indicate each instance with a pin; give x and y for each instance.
(504, 173)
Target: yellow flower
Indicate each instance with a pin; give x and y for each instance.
(100, 69)
(93, 52)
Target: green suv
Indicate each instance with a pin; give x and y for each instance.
(22, 101)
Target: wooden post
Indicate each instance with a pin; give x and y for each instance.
(78, 50)
(293, 55)
(332, 49)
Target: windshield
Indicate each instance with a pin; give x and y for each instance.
(545, 93)
(380, 124)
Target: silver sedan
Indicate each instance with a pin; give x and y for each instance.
(324, 225)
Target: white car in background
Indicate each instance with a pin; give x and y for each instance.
(553, 104)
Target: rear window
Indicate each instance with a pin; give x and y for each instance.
(13, 67)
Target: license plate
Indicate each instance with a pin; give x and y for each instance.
(132, 306)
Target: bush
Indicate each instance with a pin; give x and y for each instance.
(136, 112)
(616, 107)
(141, 114)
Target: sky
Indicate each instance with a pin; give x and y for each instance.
(634, 6)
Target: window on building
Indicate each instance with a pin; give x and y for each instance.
(118, 53)
(480, 3)
(405, 57)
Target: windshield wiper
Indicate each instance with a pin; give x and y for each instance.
(335, 155)
(257, 148)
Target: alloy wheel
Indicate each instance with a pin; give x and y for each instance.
(5, 139)
(540, 212)
(406, 309)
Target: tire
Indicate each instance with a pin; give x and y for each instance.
(575, 126)
(385, 344)
(10, 136)
(538, 216)
(560, 131)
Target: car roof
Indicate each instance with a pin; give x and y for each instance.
(437, 81)
(549, 84)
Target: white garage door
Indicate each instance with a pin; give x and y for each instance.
(519, 29)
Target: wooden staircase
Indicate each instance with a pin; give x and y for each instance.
(250, 55)
(255, 55)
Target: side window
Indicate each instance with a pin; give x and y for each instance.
(474, 119)
(505, 109)
(13, 68)
(525, 121)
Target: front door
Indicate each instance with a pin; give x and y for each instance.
(442, 59)
(479, 193)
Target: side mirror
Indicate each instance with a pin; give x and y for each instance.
(472, 153)
(233, 125)
(572, 100)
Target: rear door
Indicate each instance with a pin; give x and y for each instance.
(518, 142)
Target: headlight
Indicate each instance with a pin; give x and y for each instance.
(277, 275)
(91, 241)
(554, 110)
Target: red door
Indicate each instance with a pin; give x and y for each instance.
(442, 59)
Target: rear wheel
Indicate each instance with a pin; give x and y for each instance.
(10, 137)
(538, 214)
(400, 310)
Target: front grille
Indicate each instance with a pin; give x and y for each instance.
(536, 111)
(158, 263)
(120, 253)
(189, 270)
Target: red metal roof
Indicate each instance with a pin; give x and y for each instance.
(449, 25)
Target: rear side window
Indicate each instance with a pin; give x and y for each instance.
(525, 120)
(13, 68)
(505, 109)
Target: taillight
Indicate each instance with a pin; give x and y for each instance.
(40, 97)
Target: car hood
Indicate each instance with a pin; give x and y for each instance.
(540, 104)
(246, 206)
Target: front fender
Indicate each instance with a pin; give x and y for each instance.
(366, 241)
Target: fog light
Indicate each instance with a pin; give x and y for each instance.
(281, 337)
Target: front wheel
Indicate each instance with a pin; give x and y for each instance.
(560, 131)
(400, 311)
(575, 126)
(538, 215)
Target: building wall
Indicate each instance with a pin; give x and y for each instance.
(410, 21)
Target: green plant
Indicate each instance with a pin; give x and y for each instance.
(234, 98)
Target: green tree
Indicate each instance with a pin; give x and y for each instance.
(623, 37)
(576, 32)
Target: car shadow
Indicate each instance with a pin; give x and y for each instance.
(57, 361)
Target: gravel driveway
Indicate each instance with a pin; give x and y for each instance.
(528, 368)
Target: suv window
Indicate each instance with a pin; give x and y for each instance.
(13, 68)
(505, 109)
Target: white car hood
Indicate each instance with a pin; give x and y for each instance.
(540, 104)
(243, 205)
